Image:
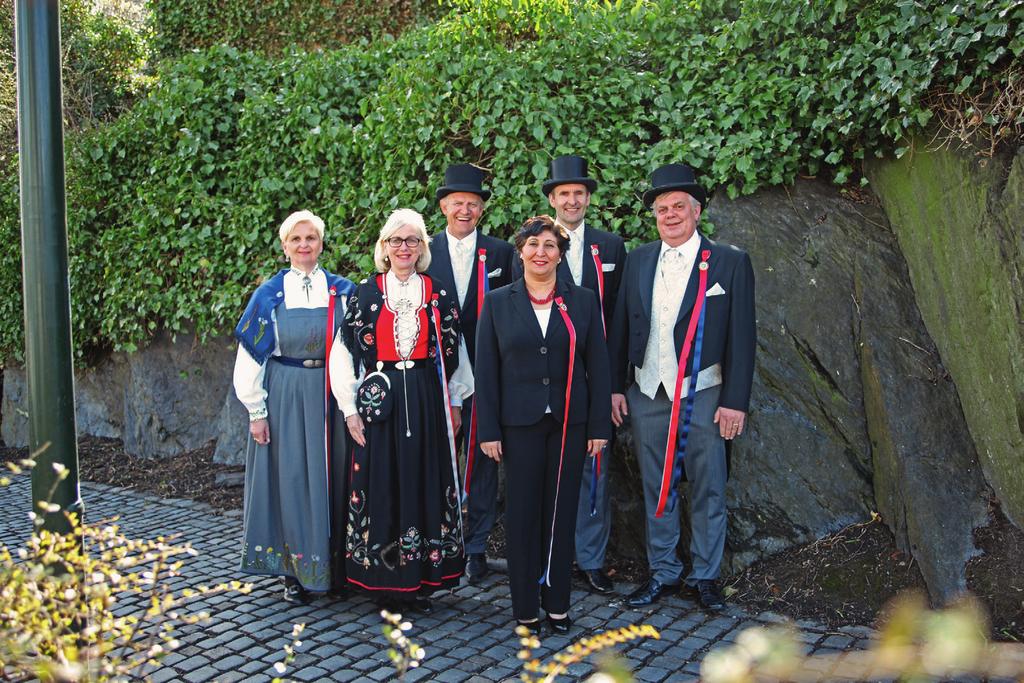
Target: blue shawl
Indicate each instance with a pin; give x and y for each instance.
(251, 331)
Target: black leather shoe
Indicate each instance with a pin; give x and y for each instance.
(560, 626)
(476, 567)
(598, 581)
(294, 592)
(649, 593)
(420, 605)
(709, 596)
(532, 626)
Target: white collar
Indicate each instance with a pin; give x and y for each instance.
(578, 232)
(687, 249)
(469, 240)
(298, 272)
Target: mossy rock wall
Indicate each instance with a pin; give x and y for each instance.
(959, 220)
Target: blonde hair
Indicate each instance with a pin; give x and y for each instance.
(401, 218)
(300, 217)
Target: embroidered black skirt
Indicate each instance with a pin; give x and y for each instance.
(404, 526)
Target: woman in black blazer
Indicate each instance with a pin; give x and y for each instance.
(522, 375)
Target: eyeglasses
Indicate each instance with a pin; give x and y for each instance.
(397, 242)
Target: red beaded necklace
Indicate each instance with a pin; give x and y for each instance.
(545, 300)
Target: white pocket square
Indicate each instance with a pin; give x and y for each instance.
(494, 273)
(607, 267)
(716, 290)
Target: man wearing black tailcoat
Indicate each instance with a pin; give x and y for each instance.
(594, 260)
(459, 255)
(657, 315)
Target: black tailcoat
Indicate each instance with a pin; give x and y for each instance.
(499, 273)
(729, 327)
(520, 372)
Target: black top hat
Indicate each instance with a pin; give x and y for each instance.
(566, 170)
(674, 177)
(463, 178)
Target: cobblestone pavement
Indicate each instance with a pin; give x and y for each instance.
(467, 638)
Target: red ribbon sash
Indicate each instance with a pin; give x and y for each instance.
(598, 266)
(673, 425)
(481, 291)
(564, 311)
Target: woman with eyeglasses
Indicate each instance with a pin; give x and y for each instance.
(402, 375)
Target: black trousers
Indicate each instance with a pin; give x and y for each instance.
(482, 502)
(531, 456)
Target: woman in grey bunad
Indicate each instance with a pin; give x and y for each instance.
(284, 339)
(401, 337)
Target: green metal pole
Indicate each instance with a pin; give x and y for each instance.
(48, 357)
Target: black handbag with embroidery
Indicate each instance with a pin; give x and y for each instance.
(374, 400)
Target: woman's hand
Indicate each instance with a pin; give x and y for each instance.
(492, 449)
(456, 419)
(260, 431)
(356, 428)
(594, 446)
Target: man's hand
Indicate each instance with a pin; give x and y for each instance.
(356, 429)
(594, 446)
(619, 409)
(260, 431)
(730, 422)
(492, 449)
(456, 419)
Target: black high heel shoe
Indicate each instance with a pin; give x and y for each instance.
(560, 626)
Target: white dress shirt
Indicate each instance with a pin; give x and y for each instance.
(248, 374)
(574, 254)
(405, 300)
(462, 253)
(671, 275)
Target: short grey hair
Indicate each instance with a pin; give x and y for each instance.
(301, 217)
(401, 218)
(694, 202)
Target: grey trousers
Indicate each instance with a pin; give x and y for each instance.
(706, 473)
(592, 530)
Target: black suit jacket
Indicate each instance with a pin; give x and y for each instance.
(729, 328)
(612, 252)
(500, 255)
(519, 372)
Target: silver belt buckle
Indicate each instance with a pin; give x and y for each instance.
(404, 364)
(312, 363)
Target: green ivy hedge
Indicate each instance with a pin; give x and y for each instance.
(103, 55)
(181, 26)
(173, 209)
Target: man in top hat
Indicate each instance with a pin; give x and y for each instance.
(594, 260)
(471, 264)
(683, 296)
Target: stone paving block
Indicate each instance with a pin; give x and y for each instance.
(192, 663)
(254, 666)
(651, 674)
(345, 675)
(229, 663)
(451, 676)
(309, 673)
(164, 674)
(838, 642)
(206, 673)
